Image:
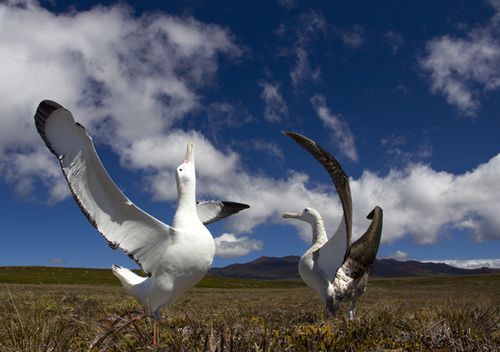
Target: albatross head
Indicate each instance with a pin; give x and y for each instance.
(185, 174)
(309, 215)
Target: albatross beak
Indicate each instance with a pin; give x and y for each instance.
(291, 215)
(189, 153)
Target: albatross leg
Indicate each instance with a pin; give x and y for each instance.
(156, 318)
(352, 309)
(155, 333)
(359, 289)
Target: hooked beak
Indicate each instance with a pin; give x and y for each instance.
(189, 153)
(292, 215)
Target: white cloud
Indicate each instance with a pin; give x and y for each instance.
(418, 202)
(468, 263)
(425, 203)
(230, 246)
(302, 71)
(25, 170)
(311, 23)
(400, 255)
(93, 63)
(126, 78)
(275, 107)
(167, 152)
(462, 69)
(338, 127)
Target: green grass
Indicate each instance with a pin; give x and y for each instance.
(81, 276)
(459, 313)
(53, 275)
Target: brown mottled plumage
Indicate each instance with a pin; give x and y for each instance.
(337, 174)
(351, 276)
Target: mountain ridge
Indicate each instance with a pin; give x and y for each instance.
(285, 268)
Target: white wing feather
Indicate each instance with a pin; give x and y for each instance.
(214, 210)
(208, 210)
(330, 256)
(123, 224)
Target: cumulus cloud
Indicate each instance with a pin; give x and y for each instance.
(337, 125)
(229, 245)
(468, 263)
(128, 80)
(425, 203)
(275, 107)
(400, 255)
(125, 77)
(129, 93)
(418, 201)
(464, 68)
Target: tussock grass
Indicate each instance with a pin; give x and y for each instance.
(440, 314)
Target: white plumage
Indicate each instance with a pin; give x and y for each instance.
(174, 257)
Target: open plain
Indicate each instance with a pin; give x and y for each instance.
(83, 308)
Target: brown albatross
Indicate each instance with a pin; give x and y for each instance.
(335, 268)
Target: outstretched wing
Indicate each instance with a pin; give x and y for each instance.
(333, 253)
(214, 210)
(365, 249)
(122, 224)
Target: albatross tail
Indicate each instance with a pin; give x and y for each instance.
(127, 277)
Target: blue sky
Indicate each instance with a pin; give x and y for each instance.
(403, 93)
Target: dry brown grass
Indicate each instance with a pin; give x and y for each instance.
(442, 314)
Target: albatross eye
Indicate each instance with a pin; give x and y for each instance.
(306, 210)
(180, 169)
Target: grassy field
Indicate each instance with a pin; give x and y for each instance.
(458, 313)
(83, 276)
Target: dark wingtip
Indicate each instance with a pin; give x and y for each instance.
(300, 139)
(236, 205)
(43, 111)
(229, 208)
(377, 209)
(293, 135)
(49, 105)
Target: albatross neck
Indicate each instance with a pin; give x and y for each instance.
(318, 230)
(186, 203)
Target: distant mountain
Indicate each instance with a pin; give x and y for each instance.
(285, 268)
(269, 268)
(395, 268)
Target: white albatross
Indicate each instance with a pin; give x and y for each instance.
(333, 267)
(174, 257)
